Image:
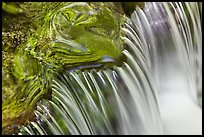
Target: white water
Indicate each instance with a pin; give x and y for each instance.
(157, 91)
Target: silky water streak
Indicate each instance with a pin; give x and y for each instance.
(164, 60)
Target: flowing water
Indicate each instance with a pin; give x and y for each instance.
(164, 65)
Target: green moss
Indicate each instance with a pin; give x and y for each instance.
(11, 7)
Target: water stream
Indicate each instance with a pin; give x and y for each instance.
(161, 78)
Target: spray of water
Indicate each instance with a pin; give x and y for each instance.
(148, 94)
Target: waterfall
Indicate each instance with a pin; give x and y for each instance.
(156, 89)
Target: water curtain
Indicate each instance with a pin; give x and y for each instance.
(163, 47)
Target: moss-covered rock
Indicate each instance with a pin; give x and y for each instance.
(42, 38)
